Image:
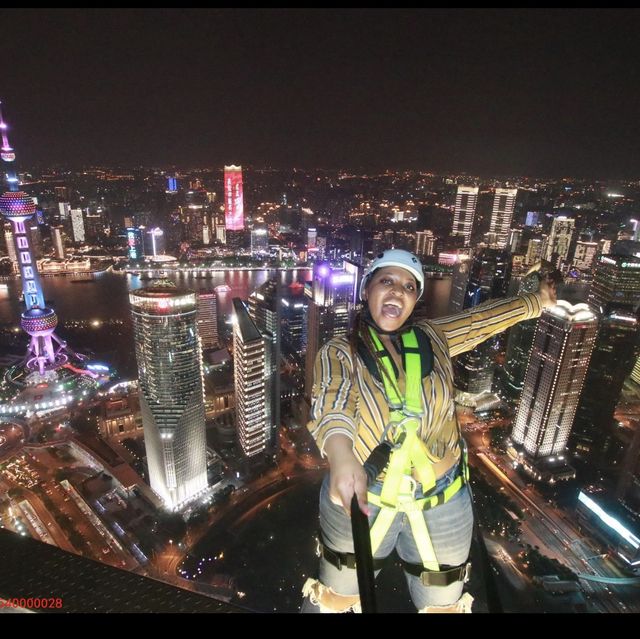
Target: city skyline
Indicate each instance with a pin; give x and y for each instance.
(519, 92)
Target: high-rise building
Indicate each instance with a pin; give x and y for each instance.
(425, 243)
(134, 243)
(488, 279)
(504, 202)
(515, 238)
(77, 225)
(36, 240)
(616, 349)
(58, 243)
(557, 244)
(233, 198)
(459, 282)
(172, 185)
(616, 282)
(157, 241)
(249, 360)
(61, 192)
(265, 310)
(534, 251)
(64, 209)
(207, 317)
(585, 255)
(562, 345)
(332, 293)
(46, 351)
(464, 212)
(171, 391)
(294, 323)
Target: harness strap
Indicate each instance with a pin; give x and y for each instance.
(344, 559)
(444, 577)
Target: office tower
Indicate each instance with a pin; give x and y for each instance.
(61, 192)
(604, 247)
(58, 243)
(172, 185)
(77, 225)
(532, 218)
(534, 251)
(36, 241)
(425, 243)
(459, 282)
(616, 282)
(207, 316)
(294, 324)
(585, 255)
(332, 293)
(614, 354)
(46, 351)
(249, 361)
(464, 212)
(557, 245)
(265, 310)
(171, 390)
(234, 207)
(64, 209)
(134, 243)
(504, 202)
(488, 279)
(562, 346)
(515, 238)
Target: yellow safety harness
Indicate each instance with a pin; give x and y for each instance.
(410, 457)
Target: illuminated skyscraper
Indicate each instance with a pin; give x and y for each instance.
(259, 241)
(58, 243)
(562, 345)
(464, 212)
(11, 248)
(265, 310)
(488, 279)
(534, 251)
(616, 282)
(585, 255)
(252, 394)
(208, 319)
(38, 320)
(77, 225)
(171, 391)
(459, 282)
(557, 244)
(504, 201)
(134, 243)
(425, 243)
(233, 198)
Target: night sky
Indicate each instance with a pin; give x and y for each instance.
(543, 93)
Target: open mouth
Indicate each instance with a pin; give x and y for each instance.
(391, 310)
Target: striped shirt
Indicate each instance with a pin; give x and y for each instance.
(355, 404)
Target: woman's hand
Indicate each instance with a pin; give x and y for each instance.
(548, 292)
(347, 475)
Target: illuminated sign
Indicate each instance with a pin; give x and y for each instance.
(234, 203)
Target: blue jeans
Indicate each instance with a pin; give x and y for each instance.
(450, 527)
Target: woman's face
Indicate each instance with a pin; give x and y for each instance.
(391, 293)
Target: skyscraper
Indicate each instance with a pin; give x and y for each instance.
(38, 320)
(464, 212)
(562, 346)
(265, 310)
(233, 206)
(504, 202)
(171, 391)
(616, 282)
(488, 279)
(557, 244)
(56, 239)
(459, 282)
(425, 243)
(534, 251)
(585, 255)
(207, 316)
(249, 361)
(77, 225)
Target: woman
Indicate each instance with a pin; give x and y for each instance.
(393, 381)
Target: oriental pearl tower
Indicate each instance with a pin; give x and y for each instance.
(46, 351)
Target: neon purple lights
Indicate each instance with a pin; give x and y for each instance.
(323, 271)
(39, 321)
(17, 204)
